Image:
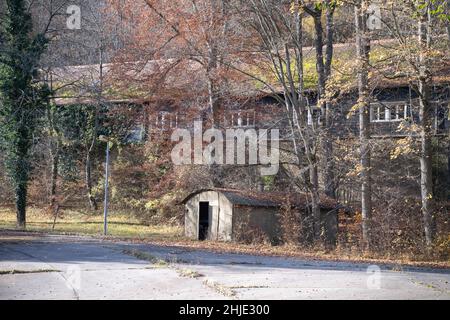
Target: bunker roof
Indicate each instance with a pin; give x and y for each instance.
(266, 198)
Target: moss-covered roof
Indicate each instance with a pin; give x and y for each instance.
(266, 198)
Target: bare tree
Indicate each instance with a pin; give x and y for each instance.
(323, 65)
(279, 35)
(363, 51)
(426, 125)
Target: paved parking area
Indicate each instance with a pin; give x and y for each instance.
(63, 267)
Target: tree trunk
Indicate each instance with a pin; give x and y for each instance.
(55, 143)
(54, 181)
(426, 129)
(426, 174)
(310, 176)
(330, 185)
(447, 12)
(213, 98)
(20, 94)
(88, 165)
(448, 31)
(212, 102)
(215, 170)
(323, 66)
(363, 49)
(448, 170)
(21, 204)
(21, 168)
(88, 173)
(315, 203)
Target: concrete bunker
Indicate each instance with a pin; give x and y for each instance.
(224, 214)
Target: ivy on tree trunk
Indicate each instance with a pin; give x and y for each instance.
(20, 96)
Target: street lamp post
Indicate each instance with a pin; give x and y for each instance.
(106, 200)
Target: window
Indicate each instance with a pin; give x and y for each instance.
(241, 118)
(136, 134)
(165, 120)
(311, 116)
(389, 112)
(314, 116)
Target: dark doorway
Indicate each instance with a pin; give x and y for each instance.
(203, 221)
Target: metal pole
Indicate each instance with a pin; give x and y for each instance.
(105, 206)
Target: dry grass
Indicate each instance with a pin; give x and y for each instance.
(189, 273)
(15, 271)
(147, 257)
(74, 222)
(219, 288)
(396, 262)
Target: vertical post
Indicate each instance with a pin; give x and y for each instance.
(105, 206)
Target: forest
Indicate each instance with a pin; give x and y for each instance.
(359, 90)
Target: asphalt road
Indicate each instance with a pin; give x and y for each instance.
(63, 267)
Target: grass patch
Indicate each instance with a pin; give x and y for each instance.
(219, 288)
(75, 222)
(395, 263)
(147, 257)
(188, 273)
(14, 271)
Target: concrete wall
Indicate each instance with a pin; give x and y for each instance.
(329, 220)
(255, 219)
(220, 216)
(229, 222)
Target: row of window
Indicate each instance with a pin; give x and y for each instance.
(240, 118)
(390, 113)
(171, 120)
(378, 113)
(165, 120)
(247, 118)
